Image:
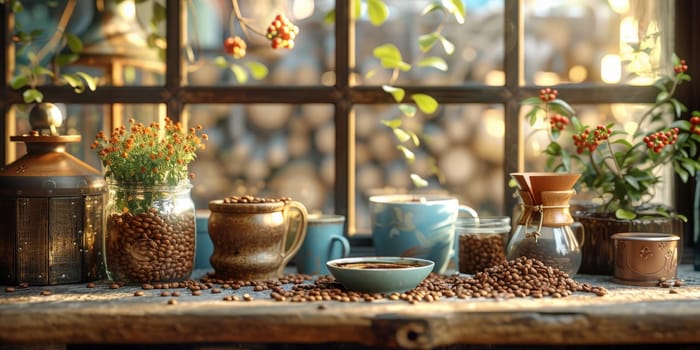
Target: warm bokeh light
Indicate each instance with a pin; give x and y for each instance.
(619, 6)
(302, 9)
(495, 78)
(493, 123)
(628, 36)
(610, 69)
(546, 78)
(578, 74)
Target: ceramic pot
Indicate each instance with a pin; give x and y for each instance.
(250, 239)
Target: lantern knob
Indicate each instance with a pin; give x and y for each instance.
(45, 116)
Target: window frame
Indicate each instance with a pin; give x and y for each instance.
(344, 95)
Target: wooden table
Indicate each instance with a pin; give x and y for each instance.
(77, 314)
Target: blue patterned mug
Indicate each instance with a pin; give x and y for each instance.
(419, 226)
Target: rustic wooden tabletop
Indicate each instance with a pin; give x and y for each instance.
(77, 314)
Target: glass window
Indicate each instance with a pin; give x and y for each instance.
(461, 153)
(266, 150)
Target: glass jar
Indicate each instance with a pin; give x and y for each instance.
(150, 232)
(481, 242)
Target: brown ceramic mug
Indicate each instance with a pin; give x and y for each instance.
(644, 259)
(250, 239)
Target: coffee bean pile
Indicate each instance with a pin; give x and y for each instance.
(150, 246)
(480, 251)
(519, 278)
(548, 252)
(254, 199)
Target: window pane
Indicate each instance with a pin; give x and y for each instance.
(266, 150)
(310, 62)
(613, 42)
(478, 52)
(465, 142)
(114, 35)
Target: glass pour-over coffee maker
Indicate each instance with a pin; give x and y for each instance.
(543, 230)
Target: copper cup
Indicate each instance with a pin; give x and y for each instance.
(644, 259)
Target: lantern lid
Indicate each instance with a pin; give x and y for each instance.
(47, 169)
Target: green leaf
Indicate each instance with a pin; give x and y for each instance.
(625, 214)
(397, 93)
(632, 181)
(89, 80)
(427, 41)
(66, 58)
(425, 103)
(221, 62)
(456, 8)
(32, 95)
(681, 172)
(435, 62)
(431, 7)
(19, 81)
(74, 43)
(240, 73)
(390, 57)
(418, 181)
(561, 107)
(329, 17)
(407, 154)
(447, 45)
(401, 135)
(41, 70)
(407, 110)
(258, 70)
(378, 12)
(75, 82)
(392, 123)
(370, 73)
(531, 101)
(662, 96)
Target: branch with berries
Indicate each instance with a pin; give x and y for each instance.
(281, 33)
(621, 168)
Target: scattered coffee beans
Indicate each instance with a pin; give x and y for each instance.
(150, 246)
(549, 252)
(479, 251)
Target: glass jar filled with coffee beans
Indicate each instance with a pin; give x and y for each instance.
(150, 232)
(481, 242)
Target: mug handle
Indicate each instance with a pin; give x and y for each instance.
(300, 232)
(345, 244)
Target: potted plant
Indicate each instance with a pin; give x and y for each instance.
(620, 169)
(150, 217)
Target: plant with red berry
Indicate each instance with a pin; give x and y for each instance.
(621, 167)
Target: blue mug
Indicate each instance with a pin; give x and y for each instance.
(324, 241)
(204, 245)
(419, 226)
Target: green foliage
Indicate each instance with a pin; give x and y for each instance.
(621, 168)
(390, 57)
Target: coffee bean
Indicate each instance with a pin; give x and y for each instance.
(90, 285)
(172, 302)
(165, 293)
(197, 292)
(23, 285)
(114, 286)
(139, 293)
(176, 294)
(10, 289)
(45, 292)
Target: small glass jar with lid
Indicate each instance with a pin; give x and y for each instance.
(481, 242)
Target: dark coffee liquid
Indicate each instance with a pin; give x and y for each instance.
(377, 265)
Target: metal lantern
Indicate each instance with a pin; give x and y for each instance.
(51, 209)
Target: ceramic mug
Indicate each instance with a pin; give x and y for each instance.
(419, 226)
(204, 246)
(250, 239)
(324, 242)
